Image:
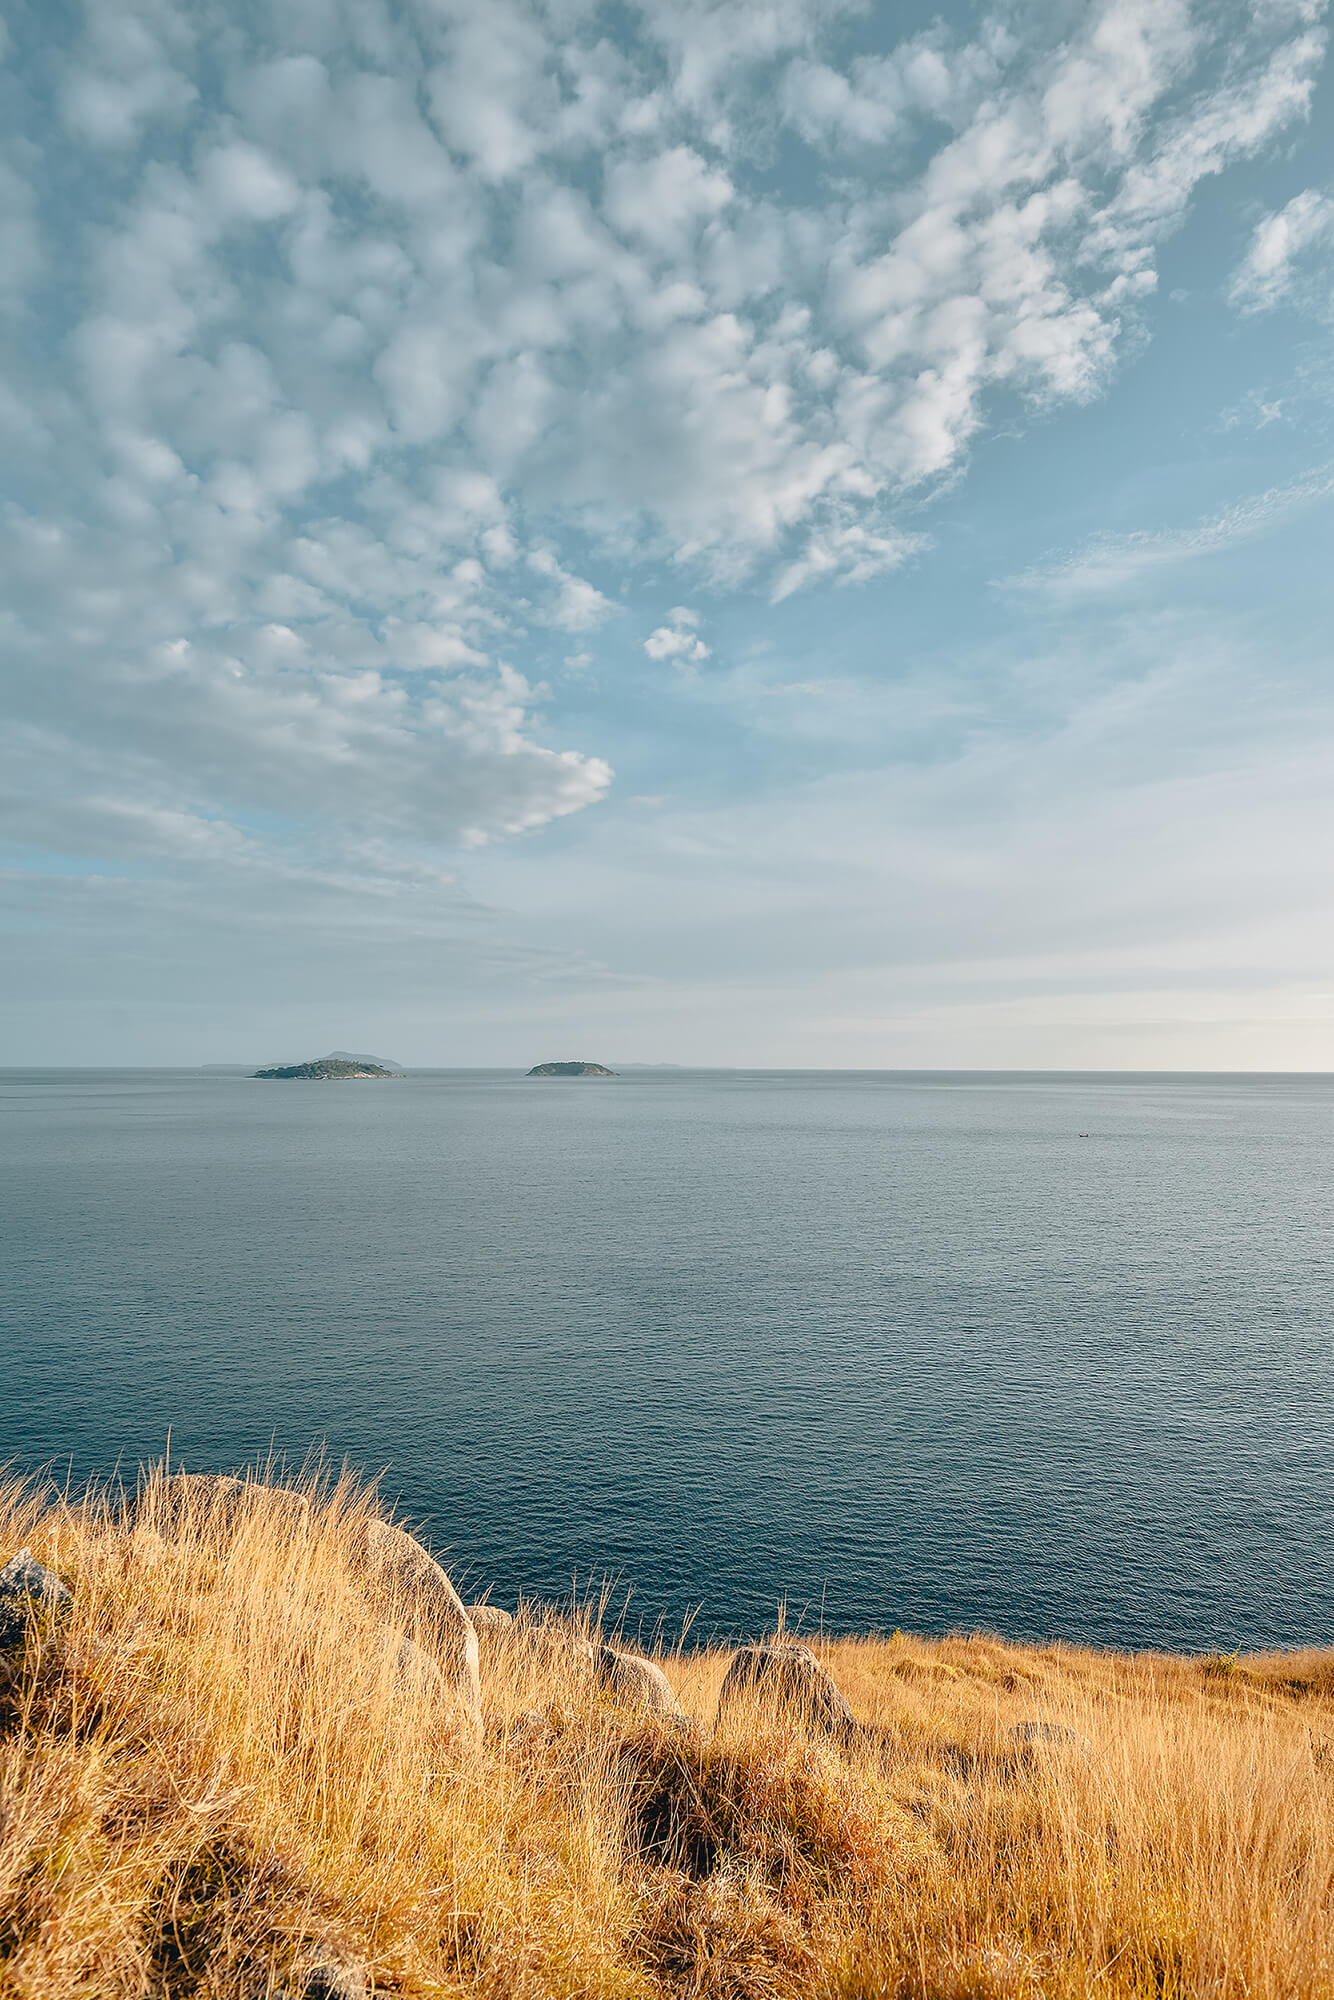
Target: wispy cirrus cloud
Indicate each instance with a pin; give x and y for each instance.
(1110, 563)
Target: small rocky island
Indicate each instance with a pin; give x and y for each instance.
(329, 1069)
(571, 1069)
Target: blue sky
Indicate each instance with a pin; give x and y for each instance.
(742, 531)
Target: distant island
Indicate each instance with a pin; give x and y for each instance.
(329, 1069)
(571, 1069)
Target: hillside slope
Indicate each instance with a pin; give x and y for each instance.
(223, 1773)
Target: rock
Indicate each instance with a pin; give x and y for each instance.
(330, 1982)
(791, 1678)
(637, 1682)
(407, 1585)
(489, 1621)
(1055, 1734)
(27, 1590)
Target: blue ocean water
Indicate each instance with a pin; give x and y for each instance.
(1046, 1355)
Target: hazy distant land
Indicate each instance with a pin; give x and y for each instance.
(284, 1063)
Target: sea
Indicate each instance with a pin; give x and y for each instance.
(1050, 1356)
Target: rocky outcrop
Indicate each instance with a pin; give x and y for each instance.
(29, 1593)
(791, 1679)
(407, 1587)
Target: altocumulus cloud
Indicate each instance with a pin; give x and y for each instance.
(343, 337)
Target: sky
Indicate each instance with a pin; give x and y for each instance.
(781, 533)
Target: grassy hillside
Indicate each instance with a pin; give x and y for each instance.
(217, 1773)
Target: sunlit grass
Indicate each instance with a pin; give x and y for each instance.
(216, 1772)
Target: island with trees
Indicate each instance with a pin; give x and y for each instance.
(571, 1069)
(328, 1069)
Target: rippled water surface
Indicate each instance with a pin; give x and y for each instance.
(1050, 1355)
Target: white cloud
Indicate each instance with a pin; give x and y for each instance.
(1270, 271)
(576, 606)
(678, 639)
(242, 183)
(492, 95)
(852, 552)
(130, 72)
(882, 100)
(712, 45)
(666, 200)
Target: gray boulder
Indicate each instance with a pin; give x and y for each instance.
(406, 1586)
(27, 1590)
(334, 1982)
(1054, 1734)
(789, 1678)
(329, 1982)
(638, 1683)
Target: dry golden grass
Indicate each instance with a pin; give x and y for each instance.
(214, 1774)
